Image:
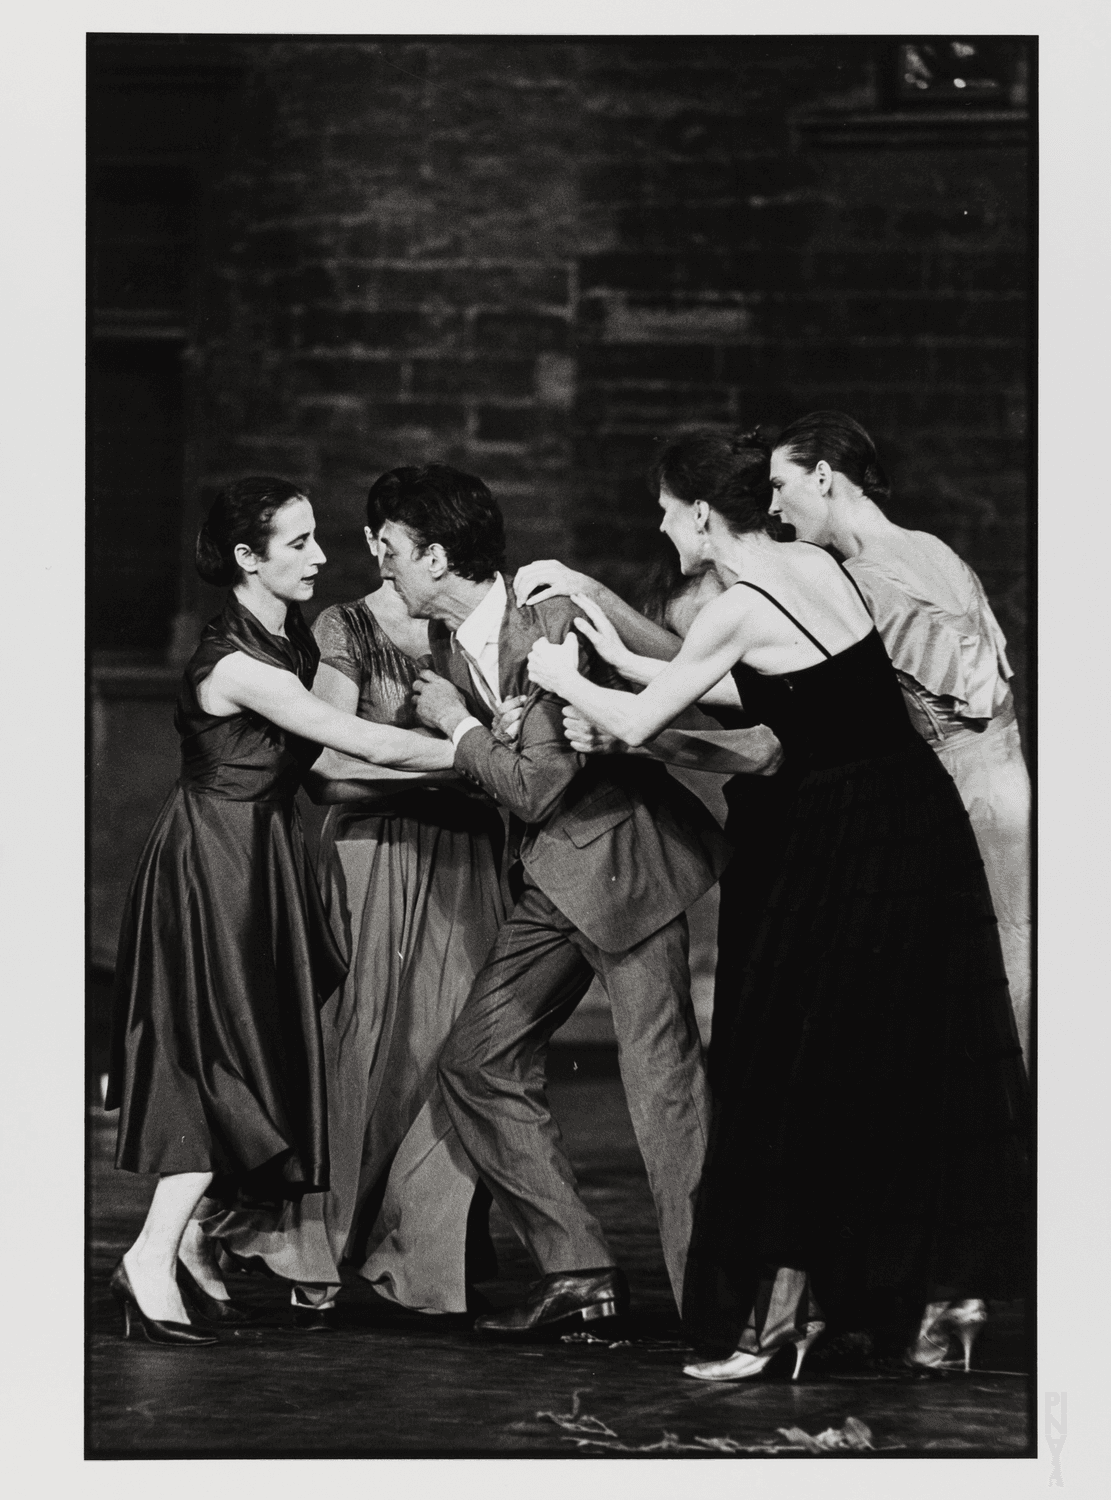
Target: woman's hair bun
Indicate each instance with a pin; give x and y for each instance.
(729, 470)
(213, 564)
(875, 483)
(754, 438)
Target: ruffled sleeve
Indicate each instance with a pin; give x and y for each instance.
(952, 645)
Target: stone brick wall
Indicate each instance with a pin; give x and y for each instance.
(533, 258)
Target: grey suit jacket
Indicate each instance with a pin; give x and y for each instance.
(613, 841)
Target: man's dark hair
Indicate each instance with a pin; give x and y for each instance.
(437, 503)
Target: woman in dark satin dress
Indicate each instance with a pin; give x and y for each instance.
(410, 876)
(869, 1133)
(225, 953)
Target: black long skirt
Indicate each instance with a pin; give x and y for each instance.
(225, 957)
(870, 1103)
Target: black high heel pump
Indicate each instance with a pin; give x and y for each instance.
(204, 1304)
(179, 1335)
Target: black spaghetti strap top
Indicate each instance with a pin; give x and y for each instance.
(846, 708)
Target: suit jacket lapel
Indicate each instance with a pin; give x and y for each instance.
(509, 646)
(452, 664)
(514, 643)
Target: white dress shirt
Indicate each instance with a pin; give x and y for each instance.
(478, 638)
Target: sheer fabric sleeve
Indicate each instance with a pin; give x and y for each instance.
(337, 647)
(958, 656)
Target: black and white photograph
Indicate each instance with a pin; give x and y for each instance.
(564, 676)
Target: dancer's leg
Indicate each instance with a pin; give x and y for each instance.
(151, 1262)
(663, 1074)
(492, 1075)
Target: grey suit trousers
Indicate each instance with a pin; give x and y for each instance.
(492, 1073)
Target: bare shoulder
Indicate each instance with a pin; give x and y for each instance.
(728, 607)
(811, 559)
(237, 667)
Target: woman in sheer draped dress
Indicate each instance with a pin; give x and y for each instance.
(226, 953)
(869, 1131)
(410, 870)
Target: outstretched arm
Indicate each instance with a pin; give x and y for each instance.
(338, 777)
(599, 630)
(240, 682)
(709, 651)
(692, 740)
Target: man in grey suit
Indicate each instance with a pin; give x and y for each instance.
(606, 853)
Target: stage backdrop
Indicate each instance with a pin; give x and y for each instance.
(323, 258)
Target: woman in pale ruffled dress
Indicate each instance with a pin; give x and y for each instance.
(946, 646)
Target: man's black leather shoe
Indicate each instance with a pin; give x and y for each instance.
(564, 1300)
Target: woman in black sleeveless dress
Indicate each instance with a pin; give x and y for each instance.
(225, 953)
(869, 1133)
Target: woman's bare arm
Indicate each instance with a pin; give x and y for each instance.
(239, 682)
(337, 777)
(709, 651)
(341, 693)
(600, 631)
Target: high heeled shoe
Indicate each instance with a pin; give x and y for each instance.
(312, 1317)
(941, 1323)
(204, 1304)
(742, 1365)
(157, 1331)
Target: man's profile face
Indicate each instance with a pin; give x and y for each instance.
(408, 568)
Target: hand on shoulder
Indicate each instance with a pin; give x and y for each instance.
(553, 617)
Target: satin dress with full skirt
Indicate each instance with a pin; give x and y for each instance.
(226, 954)
(411, 882)
(870, 1107)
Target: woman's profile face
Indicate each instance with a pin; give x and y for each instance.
(797, 498)
(293, 559)
(678, 525)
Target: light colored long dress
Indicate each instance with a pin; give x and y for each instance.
(412, 887)
(951, 658)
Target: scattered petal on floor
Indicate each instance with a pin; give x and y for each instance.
(852, 1436)
(575, 1420)
(592, 1338)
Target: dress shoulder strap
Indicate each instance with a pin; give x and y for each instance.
(783, 609)
(848, 575)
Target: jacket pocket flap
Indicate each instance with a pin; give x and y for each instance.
(597, 815)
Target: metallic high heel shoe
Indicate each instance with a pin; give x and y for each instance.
(966, 1319)
(941, 1323)
(204, 1304)
(742, 1366)
(157, 1331)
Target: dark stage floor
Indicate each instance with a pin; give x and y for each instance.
(393, 1384)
